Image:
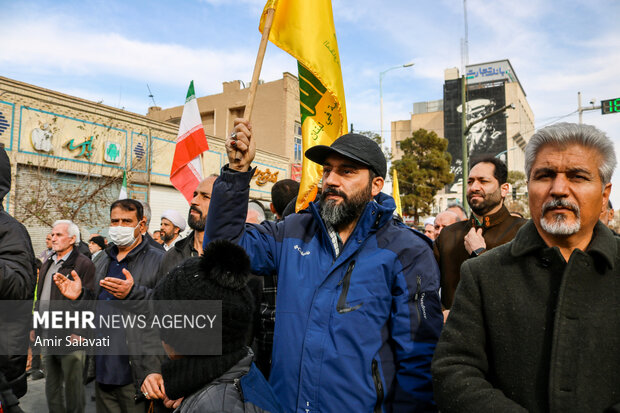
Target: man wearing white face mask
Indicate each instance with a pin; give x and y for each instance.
(130, 265)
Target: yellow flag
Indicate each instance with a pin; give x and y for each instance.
(396, 192)
(305, 29)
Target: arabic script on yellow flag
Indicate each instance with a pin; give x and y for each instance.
(305, 29)
(396, 192)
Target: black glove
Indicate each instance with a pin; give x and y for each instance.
(8, 402)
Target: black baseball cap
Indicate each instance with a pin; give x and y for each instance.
(356, 147)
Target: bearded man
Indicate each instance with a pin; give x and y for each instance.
(534, 326)
(489, 225)
(191, 246)
(357, 308)
(172, 224)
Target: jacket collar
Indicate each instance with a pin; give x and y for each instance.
(112, 250)
(492, 220)
(375, 215)
(603, 242)
(181, 244)
(67, 261)
(238, 370)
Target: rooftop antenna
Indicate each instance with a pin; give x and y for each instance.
(151, 95)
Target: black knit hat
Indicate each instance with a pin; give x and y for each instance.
(99, 240)
(220, 274)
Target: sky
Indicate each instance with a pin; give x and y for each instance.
(110, 50)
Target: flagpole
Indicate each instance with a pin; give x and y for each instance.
(247, 114)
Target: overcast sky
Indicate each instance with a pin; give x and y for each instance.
(110, 50)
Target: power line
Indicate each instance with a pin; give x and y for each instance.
(151, 95)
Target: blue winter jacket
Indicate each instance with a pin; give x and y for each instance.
(354, 332)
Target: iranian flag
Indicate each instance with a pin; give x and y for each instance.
(186, 172)
(123, 192)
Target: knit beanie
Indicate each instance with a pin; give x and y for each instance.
(220, 274)
(99, 240)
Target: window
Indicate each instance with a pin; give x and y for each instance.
(234, 113)
(298, 155)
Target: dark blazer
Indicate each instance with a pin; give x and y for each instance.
(529, 332)
(450, 252)
(98, 257)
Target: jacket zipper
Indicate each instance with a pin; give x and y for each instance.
(416, 297)
(376, 377)
(342, 306)
(237, 384)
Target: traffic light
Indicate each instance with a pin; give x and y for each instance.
(514, 192)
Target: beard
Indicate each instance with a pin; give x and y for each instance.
(339, 215)
(557, 225)
(166, 237)
(489, 201)
(197, 224)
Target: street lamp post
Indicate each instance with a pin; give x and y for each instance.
(499, 155)
(381, 93)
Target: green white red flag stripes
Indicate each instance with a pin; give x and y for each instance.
(122, 194)
(186, 172)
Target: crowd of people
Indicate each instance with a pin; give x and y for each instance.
(341, 306)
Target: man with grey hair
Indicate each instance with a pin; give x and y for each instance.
(445, 219)
(458, 209)
(256, 213)
(64, 387)
(533, 326)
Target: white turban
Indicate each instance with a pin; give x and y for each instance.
(174, 217)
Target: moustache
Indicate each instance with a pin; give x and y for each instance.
(193, 208)
(333, 191)
(560, 203)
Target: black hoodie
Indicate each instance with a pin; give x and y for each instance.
(17, 282)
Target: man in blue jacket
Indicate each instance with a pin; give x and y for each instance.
(357, 314)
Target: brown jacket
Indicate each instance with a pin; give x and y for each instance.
(85, 270)
(450, 252)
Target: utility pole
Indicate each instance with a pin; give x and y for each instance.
(581, 109)
(465, 44)
(464, 145)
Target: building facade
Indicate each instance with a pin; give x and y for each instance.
(68, 156)
(426, 115)
(490, 87)
(275, 117)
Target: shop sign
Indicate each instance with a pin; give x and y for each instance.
(263, 177)
(41, 138)
(85, 148)
(112, 152)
